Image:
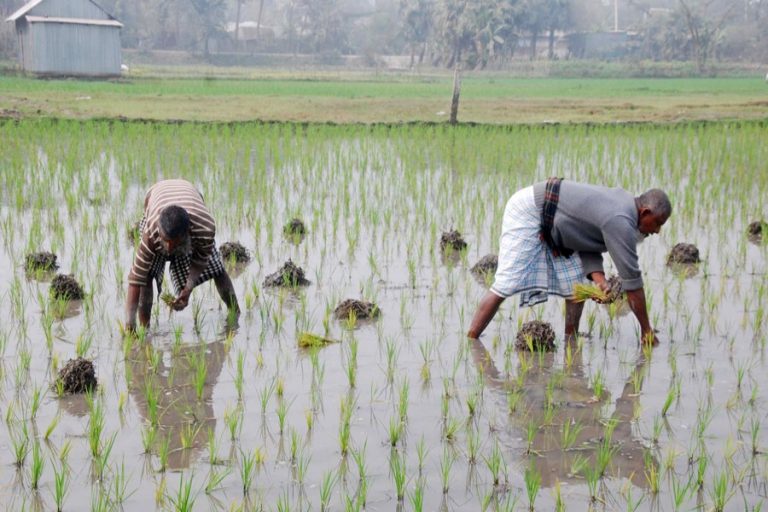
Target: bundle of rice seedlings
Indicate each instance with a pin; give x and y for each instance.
(309, 340)
(168, 298)
(582, 292)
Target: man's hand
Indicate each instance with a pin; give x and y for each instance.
(650, 338)
(182, 301)
(599, 279)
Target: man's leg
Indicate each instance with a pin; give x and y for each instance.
(145, 304)
(227, 293)
(573, 311)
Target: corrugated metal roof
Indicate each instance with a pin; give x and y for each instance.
(34, 3)
(73, 21)
(23, 10)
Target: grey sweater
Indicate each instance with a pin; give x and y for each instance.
(591, 220)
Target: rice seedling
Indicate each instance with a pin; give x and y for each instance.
(495, 464)
(247, 470)
(38, 464)
(119, 486)
(184, 499)
(215, 478)
(233, 418)
(395, 431)
(398, 471)
(327, 484)
(532, 485)
(187, 434)
(570, 431)
(416, 497)
(101, 462)
(20, 445)
(163, 450)
(60, 481)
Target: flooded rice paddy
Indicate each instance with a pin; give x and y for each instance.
(400, 411)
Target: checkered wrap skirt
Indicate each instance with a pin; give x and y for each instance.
(179, 267)
(527, 265)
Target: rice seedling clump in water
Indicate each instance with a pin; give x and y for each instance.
(486, 265)
(294, 227)
(452, 240)
(288, 275)
(683, 253)
(359, 308)
(234, 251)
(77, 376)
(536, 335)
(40, 262)
(66, 287)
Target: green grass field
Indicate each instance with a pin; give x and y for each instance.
(367, 98)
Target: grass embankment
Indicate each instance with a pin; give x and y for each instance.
(390, 98)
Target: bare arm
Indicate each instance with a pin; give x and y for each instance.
(488, 307)
(131, 305)
(636, 300)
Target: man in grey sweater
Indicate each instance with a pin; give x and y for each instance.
(553, 236)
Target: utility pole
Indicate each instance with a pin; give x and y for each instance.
(615, 15)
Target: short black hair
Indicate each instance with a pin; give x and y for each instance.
(657, 201)
(174, 222)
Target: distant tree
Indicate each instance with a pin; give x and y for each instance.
(316, 26)
(470, 31)
(416, 18)
(538, 16)
(211, 15)
(704, 27)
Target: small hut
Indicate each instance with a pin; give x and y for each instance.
(67, 38)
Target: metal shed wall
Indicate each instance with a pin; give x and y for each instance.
(71, 49)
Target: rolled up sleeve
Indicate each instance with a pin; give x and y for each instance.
(621, 241)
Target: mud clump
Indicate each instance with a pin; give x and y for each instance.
(360, 309)
(486, 266)
(536, 336)
(614, 293)
(756, 230)
(133, 232)
(288, 275)
(683, 254)
(66, 287)
(234, 252)
(295, 227)
(452, 241)
(77, 376)
(40, 262)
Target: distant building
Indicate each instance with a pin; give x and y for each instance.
(67, 38)
(598, 45)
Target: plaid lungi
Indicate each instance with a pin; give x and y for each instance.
(527, 265)
(179, 267)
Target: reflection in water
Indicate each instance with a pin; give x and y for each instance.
(573, 407)
(173, 376)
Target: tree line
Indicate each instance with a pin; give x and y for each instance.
(474, 33)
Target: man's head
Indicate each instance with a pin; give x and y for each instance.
(174, 228)
(653, 210)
